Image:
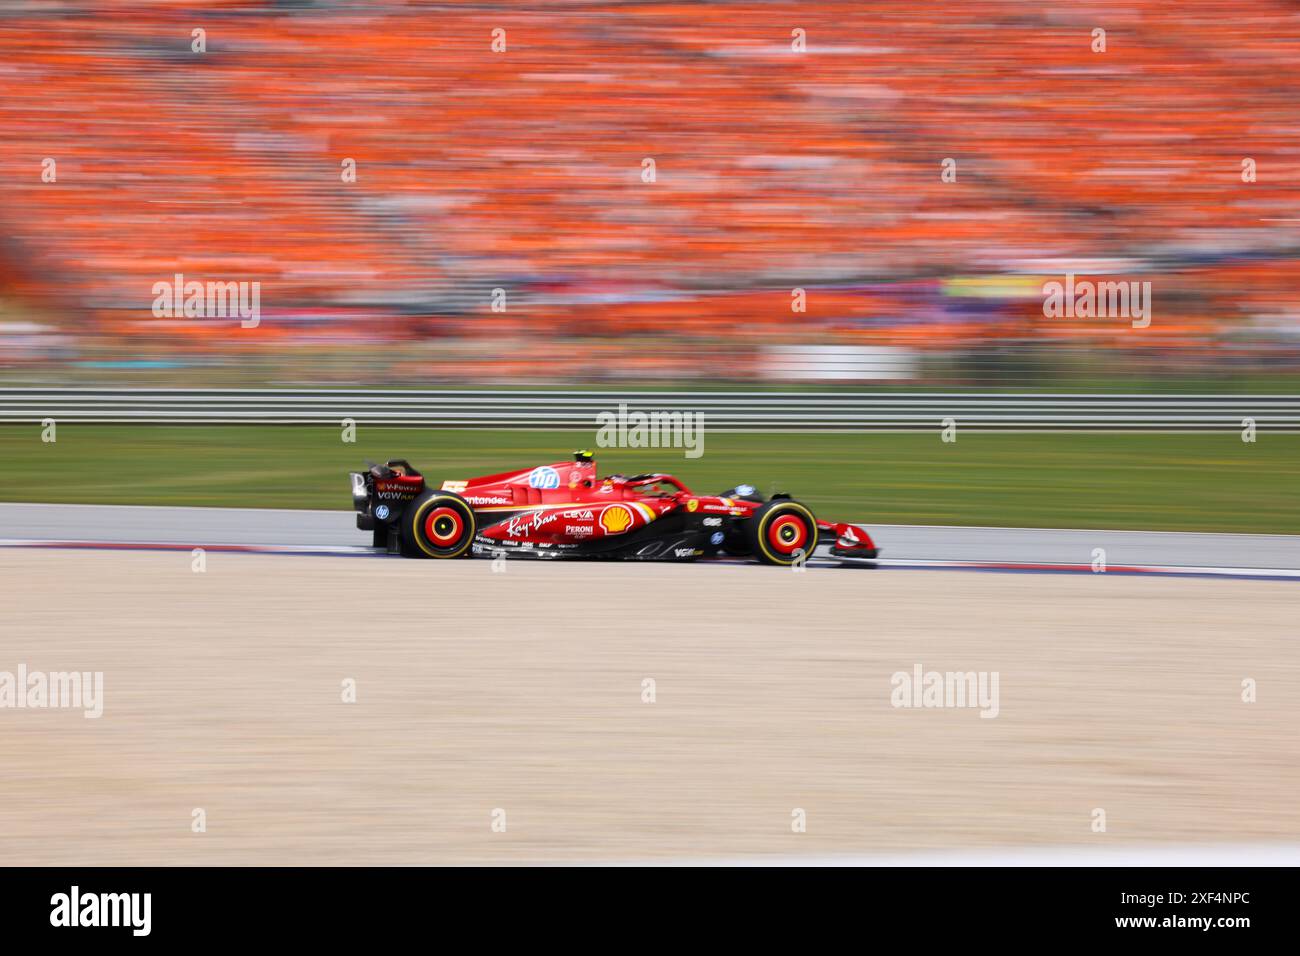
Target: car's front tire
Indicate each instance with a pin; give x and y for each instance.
(437, 524)
(781, 532)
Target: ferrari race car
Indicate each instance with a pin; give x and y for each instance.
(563, 510)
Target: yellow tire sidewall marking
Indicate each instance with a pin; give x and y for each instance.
(776, 513)
(418, 522)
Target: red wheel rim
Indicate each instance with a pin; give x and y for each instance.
(787, 533)
(443, 526)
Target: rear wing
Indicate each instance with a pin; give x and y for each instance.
(380, 493)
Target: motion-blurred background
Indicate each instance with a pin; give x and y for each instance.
(502, 230)
(523, 171)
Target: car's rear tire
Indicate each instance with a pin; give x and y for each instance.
(781, 532)
(437, 524)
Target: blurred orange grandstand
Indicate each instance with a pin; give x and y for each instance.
(500, 225)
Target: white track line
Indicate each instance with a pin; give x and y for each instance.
(816, 561)
(1182, 855)
(1080, 568)
(73, 544)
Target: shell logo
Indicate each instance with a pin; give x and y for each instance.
(616, 519)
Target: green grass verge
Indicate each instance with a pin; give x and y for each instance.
(1156, 482)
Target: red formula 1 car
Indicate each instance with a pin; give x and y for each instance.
(563, 510)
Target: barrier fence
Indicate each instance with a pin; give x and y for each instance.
(730, 410)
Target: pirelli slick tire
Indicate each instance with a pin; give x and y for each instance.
(437, 524)
(781, 532)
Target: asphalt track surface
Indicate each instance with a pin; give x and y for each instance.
(524, 692)
(201, 527)
(522, 695)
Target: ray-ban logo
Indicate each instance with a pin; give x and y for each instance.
(177, 299)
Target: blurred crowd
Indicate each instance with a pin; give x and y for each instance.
(635, 191)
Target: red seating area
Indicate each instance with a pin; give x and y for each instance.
(522, 171)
